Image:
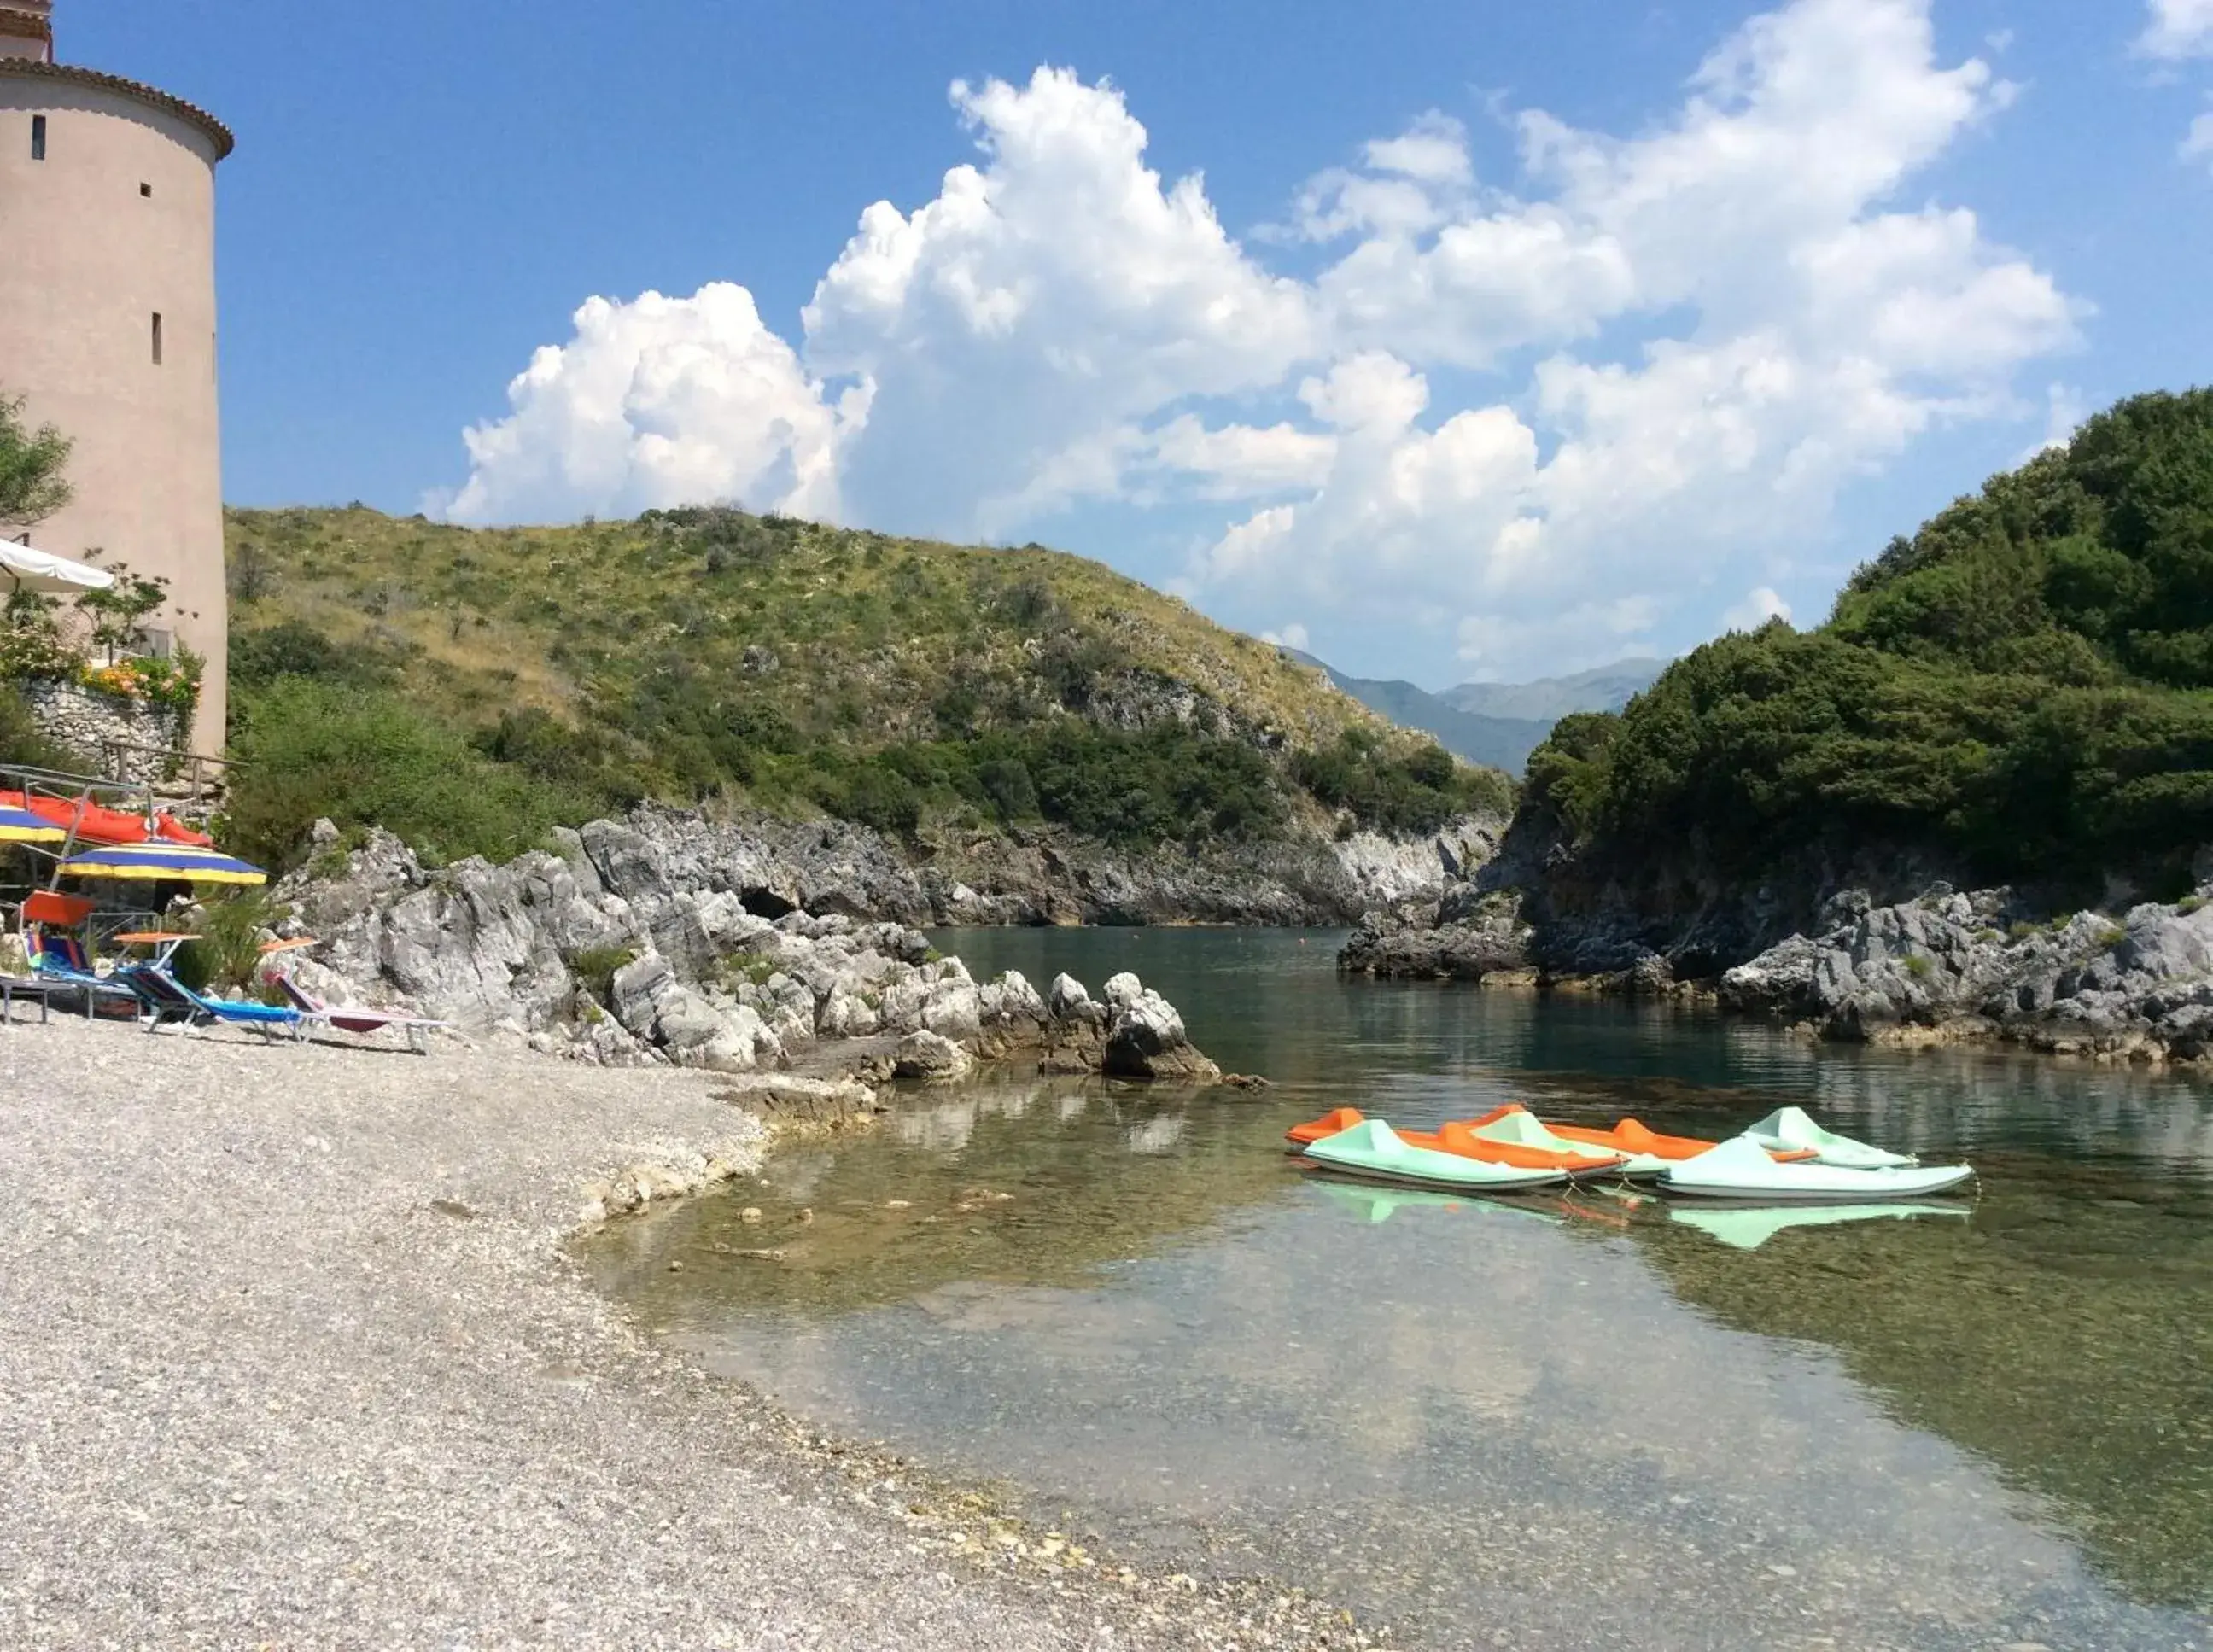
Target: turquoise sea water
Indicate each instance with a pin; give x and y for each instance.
(1550, 1422)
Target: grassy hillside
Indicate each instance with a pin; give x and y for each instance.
(474, 685)
(2025, 685)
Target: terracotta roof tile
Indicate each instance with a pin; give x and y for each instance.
(71, 75)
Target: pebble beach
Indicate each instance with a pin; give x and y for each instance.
(298, 1356)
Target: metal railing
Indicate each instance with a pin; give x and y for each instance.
(200, 778)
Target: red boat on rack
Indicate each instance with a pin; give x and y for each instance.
(94, 823)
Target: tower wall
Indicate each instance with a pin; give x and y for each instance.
(113, 225)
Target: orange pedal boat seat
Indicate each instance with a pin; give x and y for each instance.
(1458, 1136)
(1335, 1122)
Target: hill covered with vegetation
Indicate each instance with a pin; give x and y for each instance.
(2023, 688)
(469, 688)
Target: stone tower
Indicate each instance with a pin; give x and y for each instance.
(107, 320)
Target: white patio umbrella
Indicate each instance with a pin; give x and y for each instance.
(22, 568)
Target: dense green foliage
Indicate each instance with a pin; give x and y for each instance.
(2026, 682)
(313, 747)
(22, 741)
(227, 954)
(1397, 788)
(699, 654)
(34, 467)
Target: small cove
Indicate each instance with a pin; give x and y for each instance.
(1564, 1422)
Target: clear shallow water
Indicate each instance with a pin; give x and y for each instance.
(1559, 1421)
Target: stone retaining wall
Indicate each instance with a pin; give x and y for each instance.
(86, 721)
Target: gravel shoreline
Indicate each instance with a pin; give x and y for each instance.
(297, 1356)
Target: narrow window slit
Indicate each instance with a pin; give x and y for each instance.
(38, 137)
(157, 338)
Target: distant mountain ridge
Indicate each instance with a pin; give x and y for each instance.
(1602, 688)
(1497, 723)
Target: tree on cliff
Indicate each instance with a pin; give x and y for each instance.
(32, 485)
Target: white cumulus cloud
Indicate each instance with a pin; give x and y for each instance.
(1041, 302)
(2178, 28)
(657, 402)
(1828, 329)
(2197, 142)
(1761, 604)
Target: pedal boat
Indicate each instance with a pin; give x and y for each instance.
(1459, 1137)
(1373, 1151)
(1514, 1125)
(1790, 1129)
(1740, 1168)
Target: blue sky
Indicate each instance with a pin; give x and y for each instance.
(1496, 339)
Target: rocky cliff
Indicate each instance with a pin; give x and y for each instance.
(629, 948)
(773, 866)
(1951, 967)
(1937, 967)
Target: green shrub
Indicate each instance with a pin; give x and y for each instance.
(1395, 786)
(2189, 904)
(1008, 787)
(292, 648)
(1918, 966)
(595, 969)
(227, 954)
(587, 761)
(22, 741)
(362, 757)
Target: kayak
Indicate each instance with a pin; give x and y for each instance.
(1740, 1168)
(1790, 1130)
(1630, 1136)
(1373, 1148)
(1459, 1137)
(1748, 1226)
(1514, 1125)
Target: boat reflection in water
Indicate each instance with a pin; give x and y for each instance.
(1372, 1204)
(1748, 1226)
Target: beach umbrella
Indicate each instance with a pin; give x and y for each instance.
(22, 568)
(20, 825)
(177, 863)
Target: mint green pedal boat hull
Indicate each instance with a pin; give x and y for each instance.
(1373, 1151)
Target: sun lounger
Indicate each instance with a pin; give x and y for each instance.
(60, 959)
(352, 1019)
(169, 999)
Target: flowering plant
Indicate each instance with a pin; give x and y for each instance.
(174, 683)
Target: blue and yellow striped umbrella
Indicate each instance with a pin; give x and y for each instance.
(182, 862)
(20, 825)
